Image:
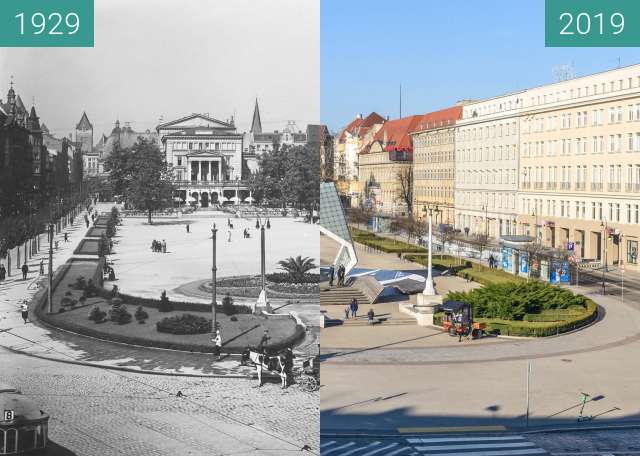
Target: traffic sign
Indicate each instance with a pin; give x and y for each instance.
(8, 415)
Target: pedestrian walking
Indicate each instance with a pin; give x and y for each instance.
(3, 272)
(331, 273)
(25, 269)
(42, 267)
(264, 341)
(217, 345)
(228, 235)
(24, 309)
(347, 311)
(354, 308)
(370, 316)
(341, 273)
(187, 228)
(164, 246)
(66, 237)
(86, 221)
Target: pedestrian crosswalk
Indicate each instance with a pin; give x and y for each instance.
(512, 445)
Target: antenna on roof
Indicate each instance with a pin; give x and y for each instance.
(400, 102)
(563, 72)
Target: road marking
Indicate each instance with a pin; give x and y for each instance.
(479, 446)
(333, 450)
(493, 453)
(327, 444)
(355, 450)
(398, 451)
(433, 430)
(464, 439)
(380, 449)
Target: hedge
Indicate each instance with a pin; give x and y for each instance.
(384, 244)
(535, 329)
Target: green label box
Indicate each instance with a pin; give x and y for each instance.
(46, 23)
(592, 23)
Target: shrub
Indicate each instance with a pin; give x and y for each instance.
(165, 305)
(68, 293)
(97, 315)
(141, 315)
(82, 299)
(233, 318)
(118, 314)
(227, 305)
(80, 283)
(283, 277)
(184, 324)
(66, 302)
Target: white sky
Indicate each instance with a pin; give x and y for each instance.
(170, 58)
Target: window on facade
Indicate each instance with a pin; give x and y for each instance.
(632, 252)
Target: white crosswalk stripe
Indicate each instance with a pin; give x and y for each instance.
(475, 446)
(365, 448)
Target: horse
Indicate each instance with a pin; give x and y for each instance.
(270, 363)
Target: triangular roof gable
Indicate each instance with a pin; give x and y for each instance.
(195, 121)
(84, 123)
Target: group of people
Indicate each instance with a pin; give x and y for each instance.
(493, 262)
(159, 247)
(340, 273)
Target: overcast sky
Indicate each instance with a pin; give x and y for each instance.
(170, 58)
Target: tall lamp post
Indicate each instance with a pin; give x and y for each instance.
(429, 289)
(214, 269)
(605, 238)
(50, 268)
(262, 223)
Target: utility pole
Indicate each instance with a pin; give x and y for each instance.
(214, 322)
(49, 291)
(528, 388)
(604, 254)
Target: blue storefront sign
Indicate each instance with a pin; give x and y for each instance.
(524, 263)
(507, 262)
(559, 272)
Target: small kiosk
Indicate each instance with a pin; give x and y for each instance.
(23, 426)
(547, 264)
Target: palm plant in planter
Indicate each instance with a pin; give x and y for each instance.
(297, 267)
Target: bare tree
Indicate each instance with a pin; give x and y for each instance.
(404, 177)
(447, 234)
(534, 252)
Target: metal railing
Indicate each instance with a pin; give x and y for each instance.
(596, 186)
(566, 186)
(581, 186)
(552, 185)
(614, 187)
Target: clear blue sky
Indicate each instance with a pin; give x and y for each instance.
(441, 51)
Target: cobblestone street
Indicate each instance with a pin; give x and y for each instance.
(103, 412)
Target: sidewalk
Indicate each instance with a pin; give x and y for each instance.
(33, 339)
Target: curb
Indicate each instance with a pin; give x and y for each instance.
(388, 434)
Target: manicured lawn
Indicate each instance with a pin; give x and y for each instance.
(88, 247)
(384, 243)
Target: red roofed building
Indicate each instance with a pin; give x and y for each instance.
(385, 167)
(355, 138)
(434, 163)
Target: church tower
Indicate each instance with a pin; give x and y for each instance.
(84, 134)
(256, 125)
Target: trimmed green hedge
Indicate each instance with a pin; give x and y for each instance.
(384, 244)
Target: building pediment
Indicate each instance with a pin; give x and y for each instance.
(196, 121)
(205, 154)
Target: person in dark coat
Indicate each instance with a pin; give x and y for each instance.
(24, 310)
(3, 272)
(187, 228)
(264, 341)
(41, 267)
(25, 269)
(331, 274)
(354, 308)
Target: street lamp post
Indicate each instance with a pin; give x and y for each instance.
(214, 322)
(604, 226)
(429, 289)
(50, 268)
(262, 223)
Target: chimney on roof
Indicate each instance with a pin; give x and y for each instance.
(359, 116)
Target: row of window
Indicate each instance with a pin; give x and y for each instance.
(433, 174)
(440, 138)
(437, 192)
(583, 210)
(433, 156)
(488, 176)
(488, 201)
(201, 145)
(497, 130)
(484, 154)
(539, 175)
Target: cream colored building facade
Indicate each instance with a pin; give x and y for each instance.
(378, 175)
(580, 165)
(486, 170)
(434, 171)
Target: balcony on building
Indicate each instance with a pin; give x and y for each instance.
(596, 186)
(581, 186)
(539, 185)
(632, 187)
(566, 186)
(552, 185)
(614, 187)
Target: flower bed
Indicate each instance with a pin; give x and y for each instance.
(87, 247)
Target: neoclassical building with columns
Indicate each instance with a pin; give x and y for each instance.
(206, 156)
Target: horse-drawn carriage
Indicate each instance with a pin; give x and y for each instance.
(304, 372)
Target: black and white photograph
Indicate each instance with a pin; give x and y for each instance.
(159, 233)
